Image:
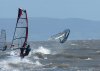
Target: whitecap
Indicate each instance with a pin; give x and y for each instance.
(42, 50)
(73, 44)
(38, 63)
(88, 59)
(98, 51)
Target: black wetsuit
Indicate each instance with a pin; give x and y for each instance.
(22, 52)
(27, 50)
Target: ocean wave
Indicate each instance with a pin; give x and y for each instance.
(42, 50)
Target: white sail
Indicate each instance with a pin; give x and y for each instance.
(3, 39)
(60, 37)
(21, 30)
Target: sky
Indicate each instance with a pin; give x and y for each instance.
(56, 9)
(85, 9)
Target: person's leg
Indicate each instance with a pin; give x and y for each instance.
(27, 52)
(22, 52)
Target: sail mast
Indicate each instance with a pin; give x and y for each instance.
(26, 30)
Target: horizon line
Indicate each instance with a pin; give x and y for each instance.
(55, 18)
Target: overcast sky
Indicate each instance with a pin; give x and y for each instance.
(85, 9)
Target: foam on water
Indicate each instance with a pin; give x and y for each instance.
(14, 53)
(13, 59)
(97, 51)
(38, 63)
(36, 57)
(42, 50)
(73, 44)
(6, 65)
(88, 59)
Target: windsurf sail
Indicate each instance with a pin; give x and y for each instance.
(21, 30)
(3, 39)
(61, 37)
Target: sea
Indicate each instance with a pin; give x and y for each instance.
(73, 55)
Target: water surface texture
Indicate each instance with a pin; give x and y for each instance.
(80, 55)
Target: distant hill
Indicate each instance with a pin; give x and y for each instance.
(43, 28)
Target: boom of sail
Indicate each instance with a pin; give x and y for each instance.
(21, 30)
(61, 37)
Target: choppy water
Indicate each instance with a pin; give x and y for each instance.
(53, 56)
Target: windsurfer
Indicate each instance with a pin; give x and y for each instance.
(25, 51)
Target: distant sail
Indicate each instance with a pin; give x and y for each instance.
(3, 39)
(61, 37)
(21, 30)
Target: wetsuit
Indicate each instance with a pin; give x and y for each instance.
(27, 50)
(22, 52)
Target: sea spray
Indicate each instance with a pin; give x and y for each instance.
(38, 63)
(42, 50)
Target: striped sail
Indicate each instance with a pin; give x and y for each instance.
(3, 39)
(21, 30)
(60, 37)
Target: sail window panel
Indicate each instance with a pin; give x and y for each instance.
(21, 23)
(20, 32)
(18, 42)
(2, 39)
